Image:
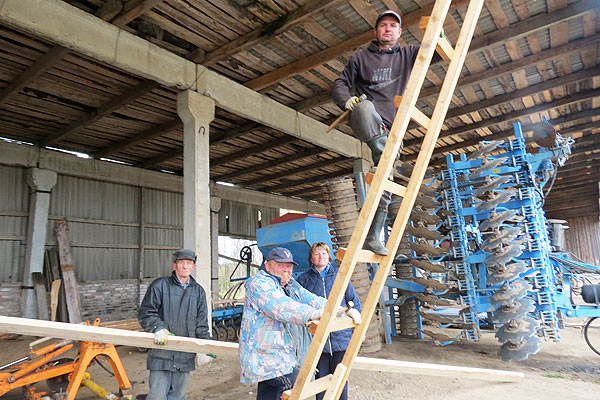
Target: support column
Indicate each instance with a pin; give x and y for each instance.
(41, 182)
(215, 207)
(196, 113)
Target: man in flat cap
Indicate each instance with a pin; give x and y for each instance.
(275, 306)
(378, 74)
(173, 305)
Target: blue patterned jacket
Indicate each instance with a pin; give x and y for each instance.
(267, 347)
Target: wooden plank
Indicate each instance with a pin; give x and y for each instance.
(68, 274)
(39, 284)
(25, 326)
(415, 368)
(134, 9)
(33, 327)
(54, 293)
(47, 61)
(105, 109)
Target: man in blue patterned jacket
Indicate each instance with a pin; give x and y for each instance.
(274, 301)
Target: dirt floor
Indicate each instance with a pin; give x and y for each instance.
(565, 370)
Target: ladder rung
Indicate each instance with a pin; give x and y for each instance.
(443, 45)
(312, 388)
(420, 118)
(388, 185)
(364, 256)
(337, 324)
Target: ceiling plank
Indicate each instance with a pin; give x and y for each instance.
(139, 138)
(270, 164)
(105, 109)
(261, 148)
(45, 62)
(289, 172)
(308, 11)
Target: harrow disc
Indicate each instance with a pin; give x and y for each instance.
(520, 351)
(509, 293)
(517, 329)
(515, 310)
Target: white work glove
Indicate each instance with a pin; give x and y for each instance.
(351, 103)
(202, 359)
(318, 313)
(355, 315)
(161, 337)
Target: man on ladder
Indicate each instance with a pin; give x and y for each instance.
(377, 73)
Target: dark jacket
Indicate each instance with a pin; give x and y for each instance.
(167, 305)
(313, 282)
(380, 74)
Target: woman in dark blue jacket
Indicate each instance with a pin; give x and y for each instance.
(319, 280)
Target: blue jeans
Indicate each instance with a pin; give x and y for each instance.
(272, 389)
(167, 385)
(326, 366)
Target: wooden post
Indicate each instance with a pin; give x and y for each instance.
(68, 273)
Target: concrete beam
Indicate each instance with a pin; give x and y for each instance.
(22, 155)
(61, 23)
(247, 103)
(80, 31)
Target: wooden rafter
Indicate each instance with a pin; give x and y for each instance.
(105, 109)
(134, 9)
(139, 138)
(261, 148)
(270, 164)
(290, 172)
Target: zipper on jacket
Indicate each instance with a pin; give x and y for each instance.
(325, 295)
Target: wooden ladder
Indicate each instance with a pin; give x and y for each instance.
(433, 40)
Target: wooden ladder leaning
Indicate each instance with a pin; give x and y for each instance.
(433, 40)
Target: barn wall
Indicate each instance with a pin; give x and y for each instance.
(121, 237)
(583, 238)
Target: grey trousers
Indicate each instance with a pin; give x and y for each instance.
(367, 125)
(167, 385)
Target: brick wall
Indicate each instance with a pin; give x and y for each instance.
(110, 300)
(10, 299)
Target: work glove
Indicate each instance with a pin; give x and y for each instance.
(161, 336)
(355, 315)
(351, 103)
(318, 313)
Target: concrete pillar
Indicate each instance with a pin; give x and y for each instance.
(196, 113)
(215, 207)
(41, 182)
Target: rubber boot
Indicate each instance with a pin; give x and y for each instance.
(373, 241)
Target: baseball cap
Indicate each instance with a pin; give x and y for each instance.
(184, 254)
(391, 13)
(281, 254)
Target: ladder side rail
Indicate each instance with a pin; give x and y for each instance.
(442, 104)
(384, 168)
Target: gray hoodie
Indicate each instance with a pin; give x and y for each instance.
(380, 74)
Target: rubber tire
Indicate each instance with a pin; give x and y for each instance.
(594, 322)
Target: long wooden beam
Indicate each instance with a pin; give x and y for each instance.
(288, 172)
(261, 148)
(62, 330)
